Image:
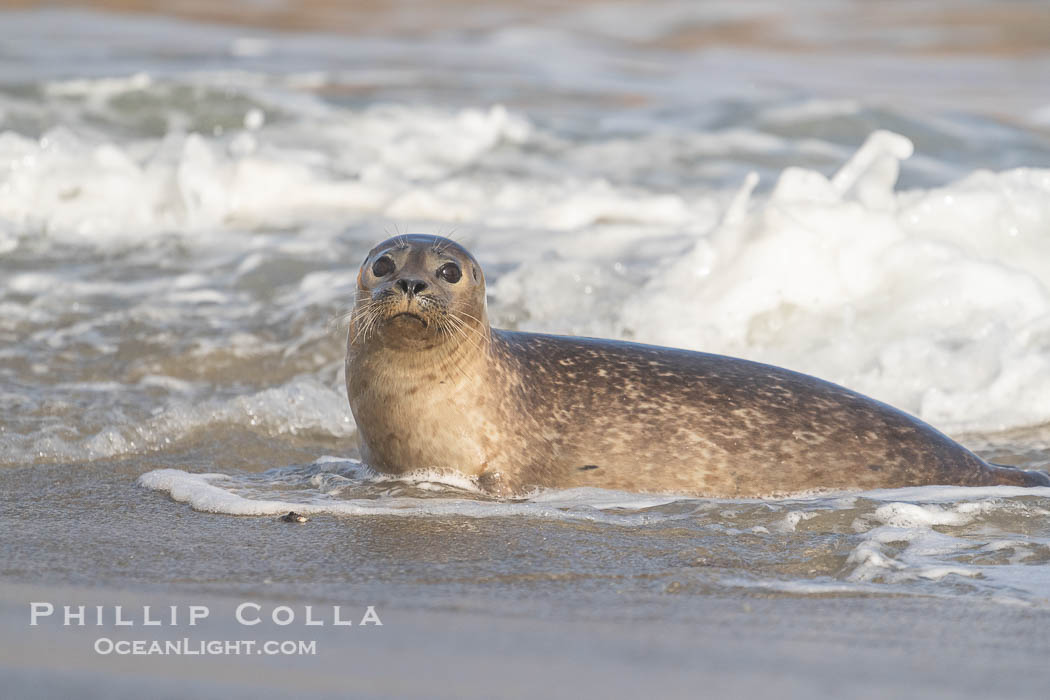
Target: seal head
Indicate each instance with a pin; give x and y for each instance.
(418, 293)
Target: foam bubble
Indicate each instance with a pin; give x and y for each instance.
(904, 515)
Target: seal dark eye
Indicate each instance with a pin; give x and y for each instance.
(382, 267)
(450, 272)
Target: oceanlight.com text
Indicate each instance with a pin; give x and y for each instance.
(213, 647)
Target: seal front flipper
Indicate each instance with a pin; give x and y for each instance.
(495, 484)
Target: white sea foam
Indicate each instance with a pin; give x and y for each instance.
(217, 493)
(303, 406)
(953, 494)
(937, 302)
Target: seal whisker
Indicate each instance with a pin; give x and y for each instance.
(461, 309)
(461, 312)
(467, 329)
(340, 320)
(482, 336)
(441, 243)
(460, 328)
(367, 319)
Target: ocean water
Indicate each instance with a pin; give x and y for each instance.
(183, 207)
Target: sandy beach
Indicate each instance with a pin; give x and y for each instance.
(601, 625)
(795, 648)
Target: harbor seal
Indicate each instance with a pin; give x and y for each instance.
(433, 386)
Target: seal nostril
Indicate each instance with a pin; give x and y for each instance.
(411, 287)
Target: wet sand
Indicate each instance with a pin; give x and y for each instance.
(722, 647)
(452, 628)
